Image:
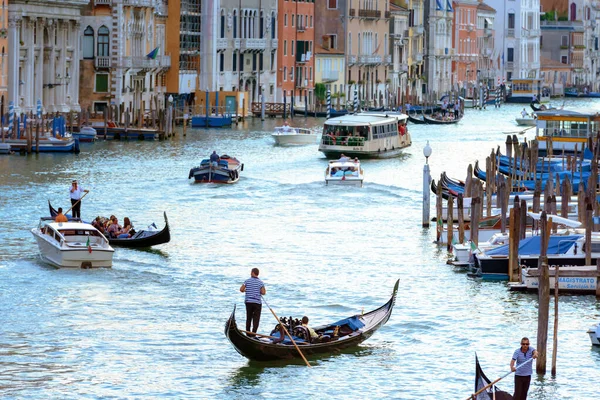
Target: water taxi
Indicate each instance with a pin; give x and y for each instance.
(227, 170)
(344, 173)
(564, 131)
(287, 135)
(72, 244)
(365, 136)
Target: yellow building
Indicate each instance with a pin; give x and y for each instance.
(329, 70)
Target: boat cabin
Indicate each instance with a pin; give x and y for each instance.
(355, 130)
(523, 90)
(71, 232)
(566, 129)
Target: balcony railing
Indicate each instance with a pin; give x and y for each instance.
(487, 32)
(369, 59)
(352, 60)
(387, 59)
(221, 43)
(274, 43)
(300, 28)
(102, 2)
(487, 52)
(330, 76)
(352, 12)
(510, 32)
(369, 14)
(510, 64)
(147, 63)
(139, 3)
(416, 30)
(418, 57)
(102, 62)
(302, 58)
(252, 44)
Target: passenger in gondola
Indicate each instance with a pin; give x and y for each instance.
(313, 335)
(97, 223)
(114, 229)
(127, 227)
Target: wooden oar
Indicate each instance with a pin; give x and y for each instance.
(76, 203)
(287, 333)
(474, 395)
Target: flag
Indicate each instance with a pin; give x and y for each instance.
(152, 55)
(89, 246)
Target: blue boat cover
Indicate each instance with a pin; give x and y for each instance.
(531, 245)
(353, 322)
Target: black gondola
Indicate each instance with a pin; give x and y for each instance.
(415, 119)
(142, 238)
(334, 337)
(492, 392)
(435, 121)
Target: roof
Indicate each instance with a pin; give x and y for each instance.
(550, 64)
(485, 7)
(360, 120)
(322, 50)
(60, 226)
(398, 7)
(582, 113)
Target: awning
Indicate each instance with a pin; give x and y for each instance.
(489, 21)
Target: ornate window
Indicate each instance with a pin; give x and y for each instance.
(103, 42)
(88, 43)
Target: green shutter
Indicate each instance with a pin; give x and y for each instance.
(102, 83)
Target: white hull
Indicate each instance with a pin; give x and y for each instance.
(286, 139)
(4, 148)
(594, 333)
(73, 254)
(572, 284)
(348, 181)
(525, 121)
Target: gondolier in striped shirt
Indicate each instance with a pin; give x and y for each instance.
(253, 288)
(523, 374)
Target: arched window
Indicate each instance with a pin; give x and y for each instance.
(273, 26)
(573, 12)
(261, 26)
(103, 46)
(88, 43)
(235, 26)
(222, 24)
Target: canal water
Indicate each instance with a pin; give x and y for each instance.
(152, 326)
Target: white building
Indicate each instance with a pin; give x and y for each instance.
(439, 44)
(399, 51)
(44, 52)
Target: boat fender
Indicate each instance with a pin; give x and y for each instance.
(191, 173)
(242, 167)
(232, 175)
(236, 173)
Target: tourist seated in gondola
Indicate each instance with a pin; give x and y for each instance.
(125, 232)
(314, 336)
(114, 229)
(99, 224)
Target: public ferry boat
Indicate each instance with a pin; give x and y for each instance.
(72, 244)
(523, 90)
(365, 136)
(564, 131)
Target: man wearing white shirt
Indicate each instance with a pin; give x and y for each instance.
(76, 194)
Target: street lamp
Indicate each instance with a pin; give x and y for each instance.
(426, 180)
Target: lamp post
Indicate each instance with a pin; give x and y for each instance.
(426, 180)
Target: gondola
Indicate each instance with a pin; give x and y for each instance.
(142, 238)
(343, 334)
(481, 381)
(416, 120)
(435, 121)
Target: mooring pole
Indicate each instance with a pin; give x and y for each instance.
(426, 179)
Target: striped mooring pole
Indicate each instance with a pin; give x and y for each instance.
(11, 115)
(39, 109)
(328, 103)
(355, 100)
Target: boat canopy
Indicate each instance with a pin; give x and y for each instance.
(531, 245)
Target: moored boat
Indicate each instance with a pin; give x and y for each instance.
(346, 333)
(365, 136)
(438, 120)
(594, 333)
(525, 121)
(72, 244)
(46, 144)
(227, 171)
(287, 135)
(86, 134)
(344, 173)
(578, 279)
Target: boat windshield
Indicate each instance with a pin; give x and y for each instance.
(573, 129)
(345, 135)
(78, 232)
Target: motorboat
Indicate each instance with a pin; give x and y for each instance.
(287, 135)
(86, 134)
(4, 148)
(372, 135)
(72, 244)
(575, 279)
(565, 131)
(594, 333)
(344, 173)
(227, 171)
(526, 121)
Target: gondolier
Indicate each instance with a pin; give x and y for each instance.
(522, 374)
(253, 288)
(76, 195)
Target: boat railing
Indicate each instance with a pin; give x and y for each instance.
(349, 141)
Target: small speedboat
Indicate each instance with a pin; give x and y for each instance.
(525, 121)
(4, 148)
(344, 173)
(227, 171)
(286, 135)
(72, 244)
(594, 333)
(86, 134)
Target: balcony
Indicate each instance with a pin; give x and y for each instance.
(510, 65)
(510, 32)
(146, 63)
(387, 59)
(371, 59)
(352, 60)
(302, 58)
(418, 58)
(221, 43)
(101, 62)
(487, 52)
(369, 14)
(487, 32)
(138, 3)
(300, 28)
(352, 13)
(302, 83)
(330, 76)
(252, 45)
(274, 43)
(416, 30)
(102, 2)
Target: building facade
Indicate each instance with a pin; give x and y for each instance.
(417, 81)
(398, 74)
(438, 66)
(465, 68)
(4, 59)
(488, 58)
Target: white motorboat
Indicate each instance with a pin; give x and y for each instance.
(4, 148)
(287, 135)
(594, 333)
(526, 121)
(344, 173)
(72, 244)
(86, 134)
(575, 279)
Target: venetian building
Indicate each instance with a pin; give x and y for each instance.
(123, 59)
(398, 49)
(295, 57)
(4, 59)
(368, 49)
(591, 37)
(466, 50)
(239, 44)
(440, 15)
(331, 59)
(417, 81)
(44, 53)
(487, 57)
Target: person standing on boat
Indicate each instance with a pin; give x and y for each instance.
(523, 374)
(76, 194)
(286, 126)
(214, 159)
(253, 288)
(524, 113)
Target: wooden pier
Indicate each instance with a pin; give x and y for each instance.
(271, 109)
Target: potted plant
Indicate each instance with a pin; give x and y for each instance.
(351, 82)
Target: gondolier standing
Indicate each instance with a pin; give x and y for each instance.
(76, 192)
(523, 374)
(254, 288)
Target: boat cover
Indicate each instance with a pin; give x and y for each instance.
(531, 245)
(353, 322)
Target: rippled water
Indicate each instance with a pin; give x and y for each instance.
(152, 326)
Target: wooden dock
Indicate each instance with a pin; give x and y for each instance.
(271, 109)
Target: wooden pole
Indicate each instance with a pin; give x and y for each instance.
(555, 332)
(461, 218)
(469, 182)
(475, 213)
(450, 223)
(438, 214)
(105, 124)
(588, 233)
(543, 297)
